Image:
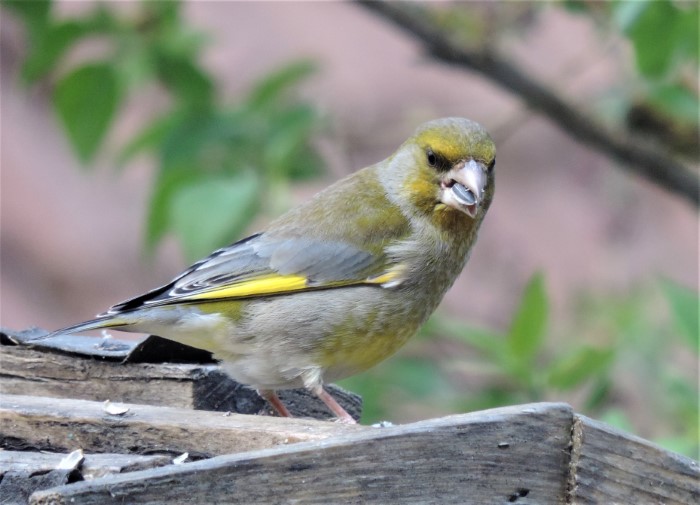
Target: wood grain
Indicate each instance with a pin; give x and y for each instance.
(124, 373)
(92, 467)
(63, 425)
(541, 453)
(510, 455)
(31, 372)
(609, 466)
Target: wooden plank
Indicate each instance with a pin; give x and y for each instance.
(17, 486)
(92, 467)
(74, 373)
(150, 349)
(79, 345)
(63, 425)
(510, 455)
(610, 466)
(22, 473)
(32, 372)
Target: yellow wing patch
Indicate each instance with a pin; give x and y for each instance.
(268, 285)
(279, 284)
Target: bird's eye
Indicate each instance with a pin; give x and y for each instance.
(432, 159)
(492, 164)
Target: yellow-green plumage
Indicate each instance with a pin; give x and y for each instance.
(339, 283)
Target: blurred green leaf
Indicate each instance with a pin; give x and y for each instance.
(149, 138)
(184, 78)
(581, 365)
(617, 418)
(214, 211)
(684, 395)
(401, 379)
(163, 25)
(529, 323)
(304, 163)
(420, 377)
(487, 398)
(285, 150)
(676, 100)
(488, 342)
(599, 394)
(684, 304)
(167, 184)
(50, 46)
(275, 84)
(660, 32)
(185, 139)
(35, 15)
(642, 22)
(133, 63)
(626, 14)
(679, 445)
(576, 5)
(207, 140)
(86, 100)
(160, 14)
(688, 31)
(372, 388)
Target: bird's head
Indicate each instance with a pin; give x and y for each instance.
(445, 170)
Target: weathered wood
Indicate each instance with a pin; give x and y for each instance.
(92, 467)
(609, 466)
(16, 487)
(30, 372)
(528, 454)
(151, 349)
(87, 368)
(22, 473)
(516, 454)
(62, 425)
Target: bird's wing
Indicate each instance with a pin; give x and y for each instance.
(261, 265)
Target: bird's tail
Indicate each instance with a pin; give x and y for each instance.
(101, 322)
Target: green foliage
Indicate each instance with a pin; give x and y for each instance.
(258, 145)
(664, 34)
(225, 203)
(217, 161)
(86, 100)
(573, 369)
(526, 372)
(34, 14)
(664, 38)
(684, 305)
(660, 99)
(528, 327)
(676, 100)
(526, 364)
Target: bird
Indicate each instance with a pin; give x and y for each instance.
(338, 283)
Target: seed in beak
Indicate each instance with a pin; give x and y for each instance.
(464, 195)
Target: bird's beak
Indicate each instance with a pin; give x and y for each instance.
(463, 187)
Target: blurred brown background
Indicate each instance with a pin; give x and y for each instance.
(72, 239)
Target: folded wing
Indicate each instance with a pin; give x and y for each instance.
(263, 265)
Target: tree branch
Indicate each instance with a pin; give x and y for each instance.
(658, 167)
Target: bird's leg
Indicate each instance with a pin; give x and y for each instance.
(335, 407)
(275, 401)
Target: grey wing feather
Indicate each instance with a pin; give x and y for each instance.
(258, 255)
(319, 261)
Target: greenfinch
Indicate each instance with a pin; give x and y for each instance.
(337, 284)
